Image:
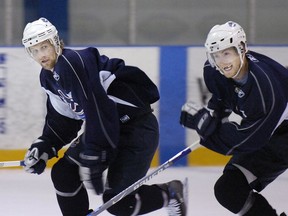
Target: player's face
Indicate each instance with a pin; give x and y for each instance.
(44, 53)
(228, 61)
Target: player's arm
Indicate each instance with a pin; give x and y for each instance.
(228, 137)
(263, 113)
(58, 131)
(101, 116)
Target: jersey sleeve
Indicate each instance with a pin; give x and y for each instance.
(101, 117)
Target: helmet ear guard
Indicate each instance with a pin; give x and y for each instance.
(39, 31)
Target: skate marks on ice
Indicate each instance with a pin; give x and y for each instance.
(26, 194)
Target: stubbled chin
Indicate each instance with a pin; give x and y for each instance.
(229, 74)
(46, 66)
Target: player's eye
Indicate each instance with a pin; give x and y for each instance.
(226, 53)
(43, 48)
(34, 52)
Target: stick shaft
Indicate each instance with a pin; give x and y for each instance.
(146, 178)
(12, 163)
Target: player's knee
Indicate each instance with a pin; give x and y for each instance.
(72, 196)
(232, 190)
(123, 207)
(65, 176)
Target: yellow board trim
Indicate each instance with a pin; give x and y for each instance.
(205, 157)
(199, 157)
(155, 161)
(15, 155)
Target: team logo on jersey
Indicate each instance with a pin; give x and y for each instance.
(252, 58)
(239, 92)
(56, 75)
(74, 106)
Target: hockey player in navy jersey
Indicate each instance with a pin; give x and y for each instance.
(254, 87)
(112, 100)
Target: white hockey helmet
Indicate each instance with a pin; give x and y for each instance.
(39, 31)
(220, 37)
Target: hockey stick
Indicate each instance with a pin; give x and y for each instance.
(12, 163)
(146, 178)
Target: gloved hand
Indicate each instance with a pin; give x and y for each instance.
(93, 164)
(199, 119)
(37, 155)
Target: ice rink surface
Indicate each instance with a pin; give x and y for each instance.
(32, 195)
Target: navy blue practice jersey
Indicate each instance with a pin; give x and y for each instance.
(103, 92)
(261, 102)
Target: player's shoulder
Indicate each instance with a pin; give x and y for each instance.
(208, 70)
(76, 53)
(212, 77)
(88, 51)
(264, 62)
(256, 57)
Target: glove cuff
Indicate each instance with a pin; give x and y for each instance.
(50, 149)
(99, 156)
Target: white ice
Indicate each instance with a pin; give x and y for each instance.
(32, 195)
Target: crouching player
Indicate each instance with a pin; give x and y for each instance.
(255, 87)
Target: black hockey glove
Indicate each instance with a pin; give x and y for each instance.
(37, 156)
(199, 119)
(93, 164)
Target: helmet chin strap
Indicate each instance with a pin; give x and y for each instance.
(57, 47)
(241, 65)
